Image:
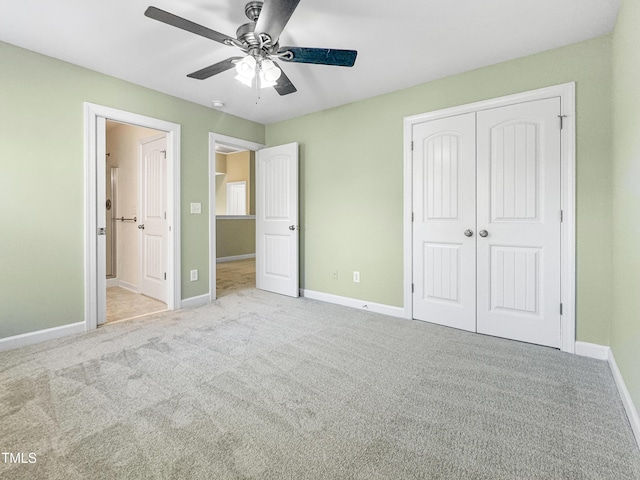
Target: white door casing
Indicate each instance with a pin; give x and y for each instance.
(518, 168)
(277, 219)
(444, 201)
(153, 223)
(101, 218)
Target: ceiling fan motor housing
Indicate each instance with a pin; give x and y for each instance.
(246, 35)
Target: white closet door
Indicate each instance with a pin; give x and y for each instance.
(444, 258)
(519, 209)
(277, 220)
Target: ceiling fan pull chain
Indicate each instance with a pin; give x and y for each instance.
(257, 85)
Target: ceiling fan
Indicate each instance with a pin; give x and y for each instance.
(258, 40)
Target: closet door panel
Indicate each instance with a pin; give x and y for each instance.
(518, 165)
(444, 208)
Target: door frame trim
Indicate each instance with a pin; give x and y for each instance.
(232, 142)
(566, 92)
(91, 114)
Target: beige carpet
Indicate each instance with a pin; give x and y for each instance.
(261, 386)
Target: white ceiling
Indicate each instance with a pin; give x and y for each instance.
(400, 43)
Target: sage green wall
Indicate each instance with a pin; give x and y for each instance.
(235, 237)
(42, 182)
(625, 327)
(351, 178)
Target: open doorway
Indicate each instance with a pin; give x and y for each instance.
(232, 247)
(276, 219)
(167, 158)
(135, 193)
(235, 218)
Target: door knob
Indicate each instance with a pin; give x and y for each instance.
(483, 233)
(468, 233)
(292, 227)
(141, 227)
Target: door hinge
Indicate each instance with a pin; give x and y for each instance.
(412, 145)
(560, 309)
(561, 117)
(561, 216)
(164, 152)
(412, 288)
(165, 275)
(412, 216)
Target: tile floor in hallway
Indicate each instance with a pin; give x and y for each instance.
(236, 275)
(124, 304)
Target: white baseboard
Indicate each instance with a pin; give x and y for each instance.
(235, 257)
(30, 338)
(193, 302)
(602, 352)
(632, 412)
(128, 286)
(113, 282)
(592, 350)
(354, 303)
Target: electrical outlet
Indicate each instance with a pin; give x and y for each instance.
(356, 277)
(334, 275)
(194, 275)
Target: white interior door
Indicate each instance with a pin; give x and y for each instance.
(444, 218)
(153, 218)
(519, 209)
(277, 219)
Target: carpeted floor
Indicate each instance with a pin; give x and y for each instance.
(262, 386)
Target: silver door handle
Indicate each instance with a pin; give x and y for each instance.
(141, 227)
(483, 233)
(468, 233)
(293, 227)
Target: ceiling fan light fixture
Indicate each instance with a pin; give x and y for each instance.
(245, 81)
(246, 67)
(265, 82)
(270, 71)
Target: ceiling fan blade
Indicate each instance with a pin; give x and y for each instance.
(283, 85)
(214, 69)
(320, 56)
(184, 24)
(274, 16)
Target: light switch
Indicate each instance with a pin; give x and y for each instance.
(196, 208)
